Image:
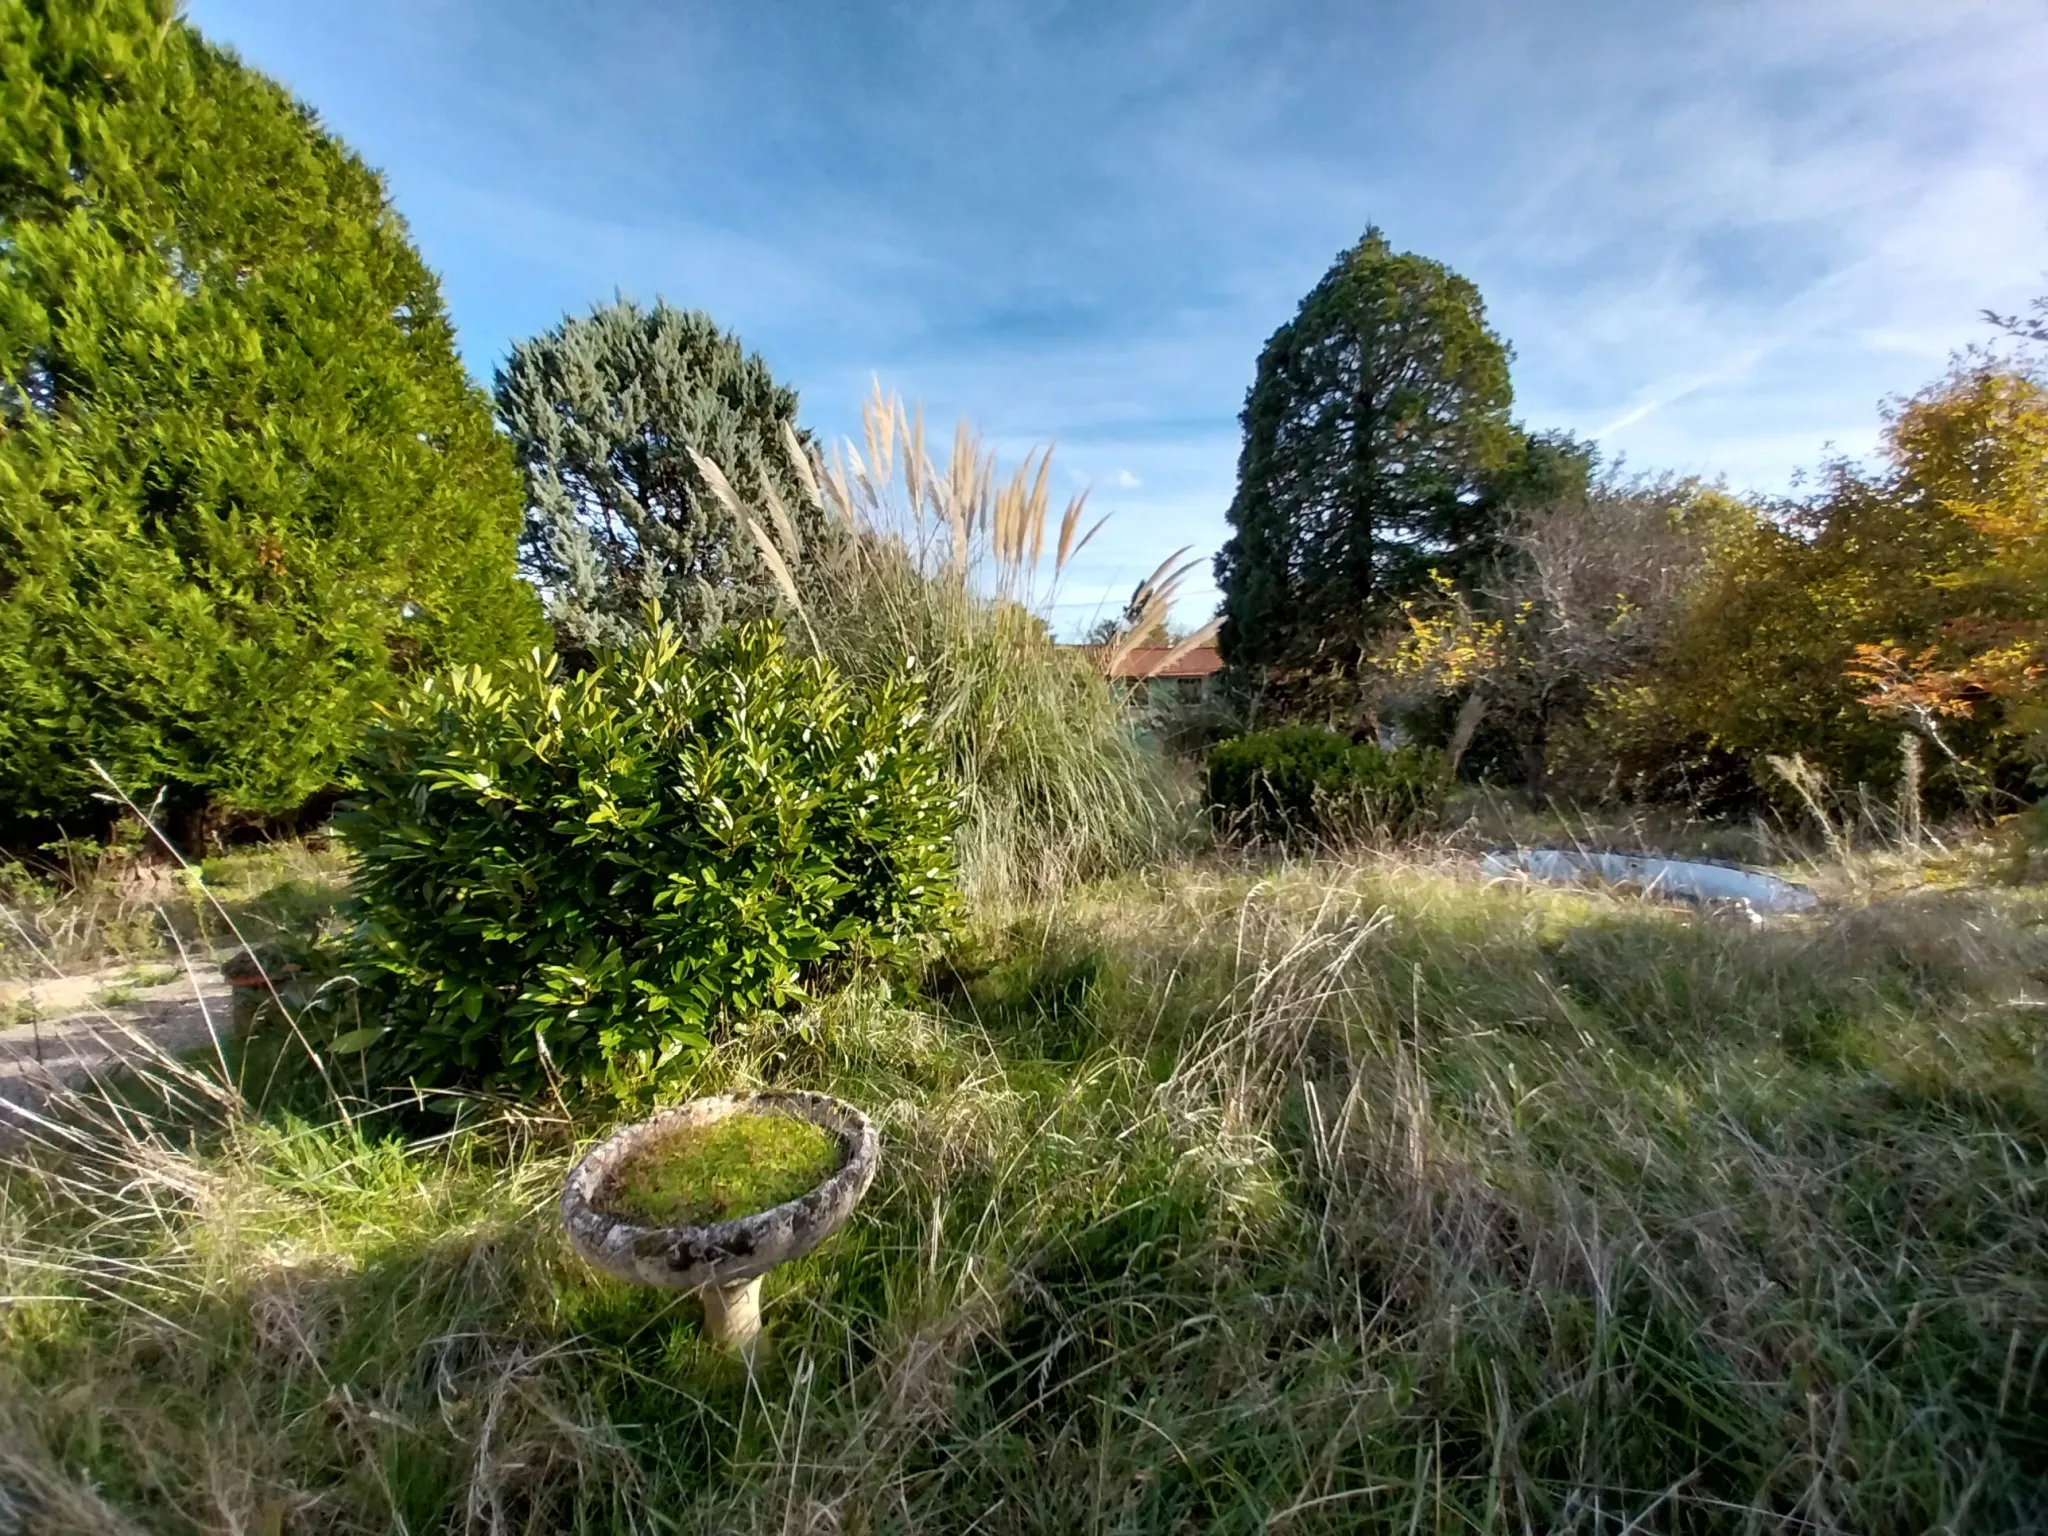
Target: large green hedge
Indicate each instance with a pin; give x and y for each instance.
(243, 477)
(601, 872)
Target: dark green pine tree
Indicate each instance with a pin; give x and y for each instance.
(244, 480)
(1377, 447)
(603, 412)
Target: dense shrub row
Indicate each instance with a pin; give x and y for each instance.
(1302, 783)
(594, 875)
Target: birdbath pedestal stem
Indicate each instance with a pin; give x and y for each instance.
(732, 1313)
(722, 1261)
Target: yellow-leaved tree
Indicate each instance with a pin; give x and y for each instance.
(1976, 447)
(1582, 597)
(1910, 596)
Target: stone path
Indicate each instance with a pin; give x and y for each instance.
(72, 1029)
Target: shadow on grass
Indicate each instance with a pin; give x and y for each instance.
(399, 1340)
(1575, 1232)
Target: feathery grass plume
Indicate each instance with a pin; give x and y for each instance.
(770, 556)
(1035, 518)
(1206, 635)
(1811, 785)
(944, 572)
(1150, 604)
(800, 461)
(1069, 521)
(778, 568)
(879, 424)
(1909, 789)
(785, 527)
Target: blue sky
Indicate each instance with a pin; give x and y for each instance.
(1717, 233)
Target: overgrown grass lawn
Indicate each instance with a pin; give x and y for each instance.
(1341, 1198)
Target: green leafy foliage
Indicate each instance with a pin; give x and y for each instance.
(1302, 782)
(1906, 597)
(244, 480)
(605, 412)
(600, 873)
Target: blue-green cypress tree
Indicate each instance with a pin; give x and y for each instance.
(605, 411)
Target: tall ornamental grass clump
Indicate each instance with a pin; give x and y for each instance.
(593, 876)
(1301, 783)
(947, 569)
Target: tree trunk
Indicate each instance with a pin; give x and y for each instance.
(1536, 764)
(1361, 533)
(1462, 732)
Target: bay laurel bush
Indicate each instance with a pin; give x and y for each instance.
(595, 876)
(1302, 783)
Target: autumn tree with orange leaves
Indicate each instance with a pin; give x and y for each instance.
(1978, 446)
(1914, 597)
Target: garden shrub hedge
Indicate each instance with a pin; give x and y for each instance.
(592, 876)
(1303, 782)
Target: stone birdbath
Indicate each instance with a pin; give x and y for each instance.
(679, 1201)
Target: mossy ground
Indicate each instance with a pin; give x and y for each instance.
(732, 1167)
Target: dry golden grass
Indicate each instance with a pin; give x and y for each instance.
(1321, 1195)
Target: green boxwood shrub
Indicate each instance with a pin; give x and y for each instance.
(1302, 782)
(592, 876)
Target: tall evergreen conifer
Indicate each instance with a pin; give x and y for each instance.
(1377, 446)
(243, 477)
(604, 412)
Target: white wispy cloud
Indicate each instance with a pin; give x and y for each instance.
(1717, 235)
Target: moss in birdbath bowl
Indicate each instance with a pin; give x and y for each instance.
(700, 1174)
(710, 1195)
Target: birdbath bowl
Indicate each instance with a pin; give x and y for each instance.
(722, 1260)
